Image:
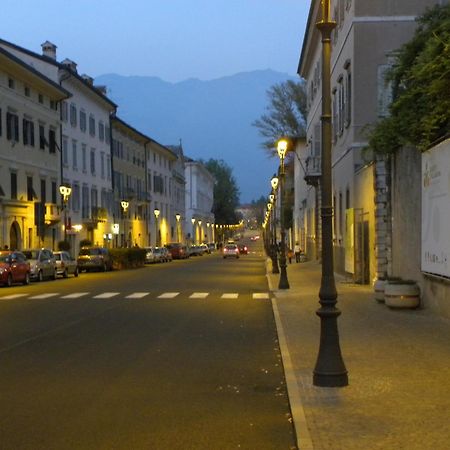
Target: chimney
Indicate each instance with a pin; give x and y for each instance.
(49, 50)
(89, 80)
(70, 64)
(102, 89)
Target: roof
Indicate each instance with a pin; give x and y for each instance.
(61, 67)
(121, 124)
(58, 91)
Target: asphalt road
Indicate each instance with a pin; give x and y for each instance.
(182, 355)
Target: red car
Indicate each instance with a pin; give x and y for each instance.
(14, 268)
(243, 250)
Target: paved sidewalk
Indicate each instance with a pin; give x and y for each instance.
(398, 363)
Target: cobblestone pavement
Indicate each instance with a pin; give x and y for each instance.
(398, 363)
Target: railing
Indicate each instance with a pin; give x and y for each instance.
(313, 170)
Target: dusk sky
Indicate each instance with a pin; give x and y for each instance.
(171, 39)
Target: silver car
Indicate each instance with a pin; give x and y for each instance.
(42, 263)
(65, 264)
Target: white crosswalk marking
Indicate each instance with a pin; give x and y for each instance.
(42, 296)
(230, 295)
(199, 295)
(168, 295)
(262, 295)
(138, 295)
(107, 295)
(12, 296)
(75, 295)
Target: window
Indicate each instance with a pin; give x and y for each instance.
(41, 98)
(43, 191)
(30, 191)
(52, 140)
(82, 120)
(107, 136)
(54, 105)
(92, 161)
(76, 197)
(102, 164)
(12, 127)
(65, 151)
(85, 201)
(74, 155)
(28, 132)
(335, 115)
(11, 83)
(27, 91)
(64, 111)
(83, 158)
(73, 115)
(14, 185)
(101, 131)
(42, 140)
(108, 167)
(91, 125)
(348, 100)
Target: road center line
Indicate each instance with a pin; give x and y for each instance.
(107, 295)
(230, 295)
(75, 295)
(42, 296)
(138, 295)
(168, 295)
(199, 295)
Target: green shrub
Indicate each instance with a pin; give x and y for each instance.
(127, 258)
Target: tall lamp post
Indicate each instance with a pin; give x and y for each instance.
(200, 233)
(274, 252)
(282, 147)
(156, 213)
(330, 369)
(65, 191)
(178, 217)
(193, 230)
(124, 204)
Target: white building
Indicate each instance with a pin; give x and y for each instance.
(29, 160)
(199, 202)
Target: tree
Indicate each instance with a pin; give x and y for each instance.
(285, 114)
(420, 76)
(226, 192)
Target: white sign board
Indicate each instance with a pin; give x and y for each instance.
(435, 251)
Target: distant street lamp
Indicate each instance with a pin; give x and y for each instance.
(273, 247)
(330, 369)
(157, 240)
(178, 217)
(65, 191)
(282, 147)
(124, 204)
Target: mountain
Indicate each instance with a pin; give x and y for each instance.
(212, 118)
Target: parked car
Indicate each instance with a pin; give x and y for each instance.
(166, 254)
(231, 250)
(42, 263)
(211, 246)
(243, 249)
(204, 248)
(65, 264)
(94, 258)
(14, 268)
(159, 255)
(178, 251)
(195, 250)
(149, 255)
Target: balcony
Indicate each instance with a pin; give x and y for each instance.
(313, 170)
(97, 214)
(52, 214)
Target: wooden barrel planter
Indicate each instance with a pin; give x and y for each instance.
(402, 294)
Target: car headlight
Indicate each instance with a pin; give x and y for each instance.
(2, 270)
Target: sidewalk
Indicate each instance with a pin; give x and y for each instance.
(398, 363)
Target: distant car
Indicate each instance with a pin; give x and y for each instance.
(195, 250)
(177, 250)
(14, 268)
(65, 264)
(159, 254)
(204, 248)
(231, 250)
(149, 255)
(243, 249)
(42, 263)
(211, 246)
(166, 255)
(94, 258)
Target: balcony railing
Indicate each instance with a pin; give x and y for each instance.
(313, 170)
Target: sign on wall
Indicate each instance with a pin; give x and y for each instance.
(435, 250)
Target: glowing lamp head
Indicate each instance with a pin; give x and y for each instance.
(156, 212)
(282, 147)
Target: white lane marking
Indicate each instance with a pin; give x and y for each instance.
(230, 295)
(75, 295)
(107, 295)
(168, 295)
(10, 297)
(41, 296)
(261, 295)
(137, 295)
(199, 295)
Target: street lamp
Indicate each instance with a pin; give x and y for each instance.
(282, 147)
(65, 191)
(200, 233)
(124, 204)
(193, 230)
(274, 252)
(156, 213)
(178, 217)
(330, 369)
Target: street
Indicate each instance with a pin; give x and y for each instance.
(181, 355)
